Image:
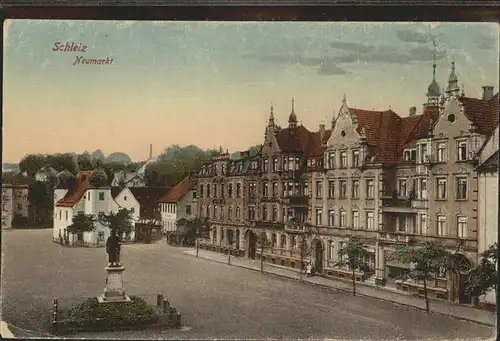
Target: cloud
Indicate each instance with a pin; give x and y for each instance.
(410, 36)
(329, 69)
(352, 46)
(485, 41)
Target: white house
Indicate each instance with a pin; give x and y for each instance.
(487, 211)
(14, 203)
(180, 202)
(88, 193)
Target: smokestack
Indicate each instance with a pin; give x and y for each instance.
(321, 131)
(413, 111)
(151, 151)
(487, 92)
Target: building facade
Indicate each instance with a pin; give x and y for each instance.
(374, 174)
(15, 204)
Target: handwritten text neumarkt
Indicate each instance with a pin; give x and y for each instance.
(82, 48)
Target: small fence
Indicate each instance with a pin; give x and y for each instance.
(164, 315)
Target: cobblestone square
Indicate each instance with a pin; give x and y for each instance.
(216, 300)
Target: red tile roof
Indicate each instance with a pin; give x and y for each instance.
(147, 198)
(179, 190)
(293, 140)
(316, 144)
(74, 195)
(482, 112)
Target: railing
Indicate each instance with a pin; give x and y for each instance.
(296, 200)
(394, 237)
(270, 224)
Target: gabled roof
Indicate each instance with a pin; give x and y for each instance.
(74, 195)
(179, 190)
(491, 163)
(484, 113)
(115, 191)
(316, 144)
(147, 197)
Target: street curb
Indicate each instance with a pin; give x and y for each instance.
(324, 286)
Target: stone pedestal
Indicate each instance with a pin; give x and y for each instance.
(113, 292)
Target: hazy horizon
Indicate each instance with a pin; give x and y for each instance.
(211, 84)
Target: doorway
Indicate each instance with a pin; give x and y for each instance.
(318, 255)
(251, 244)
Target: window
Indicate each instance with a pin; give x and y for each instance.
(343, 218)
(132, 210)
(207, 213)
(441, 225)
(251, 213)
(88, 197)
(294, 242)
(266, 165)
(343, 159)
(441, 188)
(331, 189)
(422, 193)
(222, 212)
(275, 189)
(273, 240)
(215, 191)
(342, 189)
(462, 151)
(275, 213)
(60, 215)
(19, 206)
(194, 194)
(462, 227)
(441, 152)
(331, 218)
(275, 164)
(264, 212)
(297, 163)
(423, 153)
(306, 189)
(100, 236)
(283, 241)
(265, 189)
(238, 212)
(355, 189)
(229, 212)
(101, 196)
(331, 160)
(251, 189)
(402, 188)
(355, 158)
(319, 216)
(355, 219)
(370, 189)
(202, 212)
(208, 191)
(461, 188)
(331, 249)
(66, 215)
(370, 220)
(201, 191)
(215, 212)
(422, 229)
(289, 189)
(238, 190)
(319, 189)
(188, 209)
(222, 190)
(125, 198)
(230, 190)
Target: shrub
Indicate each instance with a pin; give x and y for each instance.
(136, 312)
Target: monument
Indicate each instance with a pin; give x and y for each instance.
(113, 292)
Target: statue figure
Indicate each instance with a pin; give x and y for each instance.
(113, 249)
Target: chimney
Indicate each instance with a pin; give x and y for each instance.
(413, 111)
(487, 92)
(321, 131)
(151, 151)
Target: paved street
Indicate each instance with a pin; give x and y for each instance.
(216, 300)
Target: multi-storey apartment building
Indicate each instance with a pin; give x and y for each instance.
(410, 180)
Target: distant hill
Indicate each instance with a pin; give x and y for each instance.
(10, 167)
(119, 157)
(98, 155)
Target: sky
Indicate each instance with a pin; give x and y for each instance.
(212, 83)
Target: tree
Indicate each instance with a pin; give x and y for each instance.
(120, 223)
(41, 197)
(81, 223)
(60, 162)
(426, 262)
(483, 277)
(193, 229)
(353, 254)
(85, 162)
(31, 164)
(264, 243)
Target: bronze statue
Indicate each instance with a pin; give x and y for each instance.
(113, 249)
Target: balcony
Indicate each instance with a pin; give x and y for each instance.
(275, 225)
(409, 204)
(274, 198)
(291, 174)
(296, 200)
(393, 238)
